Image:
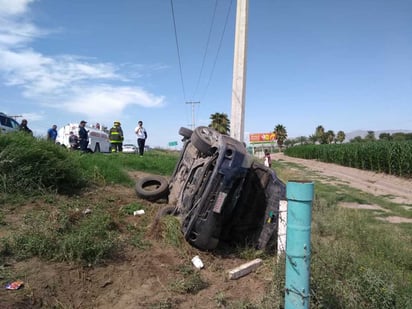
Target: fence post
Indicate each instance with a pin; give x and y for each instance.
(298, 249)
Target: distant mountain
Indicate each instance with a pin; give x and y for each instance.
(363, 133)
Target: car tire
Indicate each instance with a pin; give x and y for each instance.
(185, 132)
(152, 187)
(166, 211)
(97, 147)
(203, 138)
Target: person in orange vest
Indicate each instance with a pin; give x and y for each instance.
(116, 137)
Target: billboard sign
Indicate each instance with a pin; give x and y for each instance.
(262, 137)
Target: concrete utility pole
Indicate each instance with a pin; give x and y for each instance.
(193, 113)
(237, 123)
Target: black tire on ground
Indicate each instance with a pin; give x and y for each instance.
(152, 187)
(97, 147)
(203, 138)
(185, 132)
(166, 211)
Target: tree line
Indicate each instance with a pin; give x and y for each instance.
(221, 123)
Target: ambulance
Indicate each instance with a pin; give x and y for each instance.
(98, 139)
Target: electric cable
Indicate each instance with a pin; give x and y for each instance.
(178, 51)
(218, 50)
(207, 47)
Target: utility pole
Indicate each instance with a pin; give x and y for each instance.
(193, 113)
(237, 121)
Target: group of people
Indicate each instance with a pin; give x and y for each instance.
(81, 140)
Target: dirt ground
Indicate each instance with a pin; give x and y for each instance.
(143, 278)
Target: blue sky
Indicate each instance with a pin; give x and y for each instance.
(346, 65)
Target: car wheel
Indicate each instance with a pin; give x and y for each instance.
(185, 132)
(97, 147)
(203, 138)
(152, 187)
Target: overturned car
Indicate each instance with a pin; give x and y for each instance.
(219, 192)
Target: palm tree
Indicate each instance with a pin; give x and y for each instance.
(370, 136)
(321, 137)
(220, 122)
(281, 135)
(340, 137)
(330, 136)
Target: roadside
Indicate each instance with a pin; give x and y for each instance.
(395, 189)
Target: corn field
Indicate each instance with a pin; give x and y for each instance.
(394, 158)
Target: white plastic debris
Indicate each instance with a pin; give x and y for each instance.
(138, 212)
(197, 262)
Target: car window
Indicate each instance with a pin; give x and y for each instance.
(8, 122)
(4, 121)
(13, 123)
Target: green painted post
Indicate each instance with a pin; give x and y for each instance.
(298, 249)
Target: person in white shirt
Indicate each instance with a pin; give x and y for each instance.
(141, 136)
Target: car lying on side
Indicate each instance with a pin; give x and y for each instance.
(219, 192)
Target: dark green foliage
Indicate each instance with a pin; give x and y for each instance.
(29, 165)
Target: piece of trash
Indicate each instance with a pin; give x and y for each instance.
(197, 262)
(138, 212)
(87, 211)
(14, 285)
(244, 269)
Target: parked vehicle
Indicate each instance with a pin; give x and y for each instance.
(129, 148)
(220, 193)
(98, 139)
(8, 124)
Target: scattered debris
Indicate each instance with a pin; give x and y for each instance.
(14, 285)
(87, 211)
(244, 269)
(197, 262)
(138, 212)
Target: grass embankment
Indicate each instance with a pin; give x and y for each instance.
(357, 261)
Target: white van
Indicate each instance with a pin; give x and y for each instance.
(98, 139)
(8, 124)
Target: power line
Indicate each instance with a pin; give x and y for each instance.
(218, 50)
(207, 47)
(178, 51)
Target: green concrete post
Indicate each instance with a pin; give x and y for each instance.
(298, 249)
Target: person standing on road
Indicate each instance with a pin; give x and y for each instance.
(141, 136)
(267, 158)
(116, 137)
(83, 136)
(52, 134)
(24, 128)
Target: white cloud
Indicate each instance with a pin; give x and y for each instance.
(101, 101)
(72, 83)
(14, 7)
